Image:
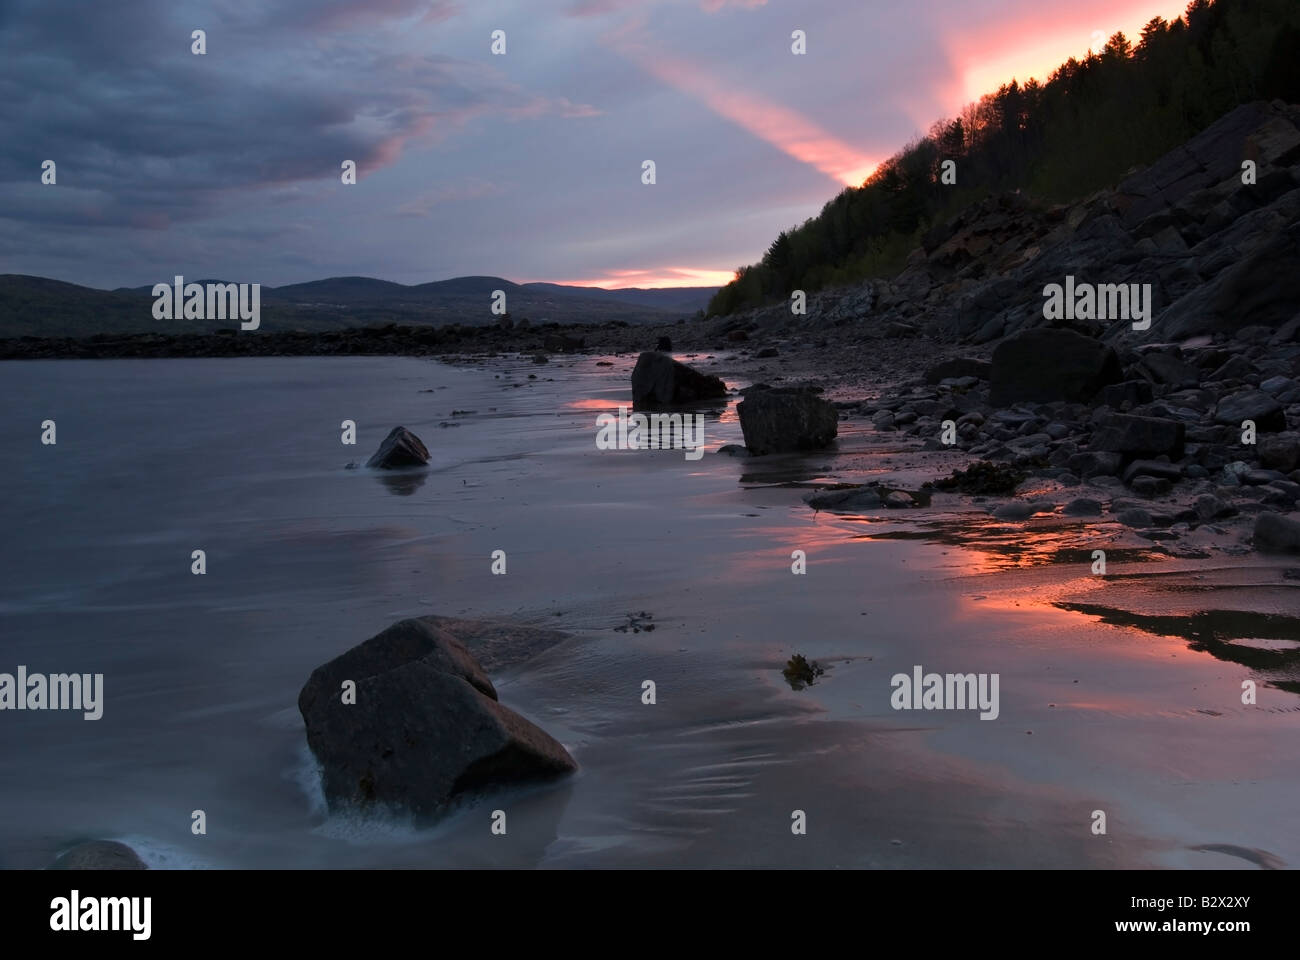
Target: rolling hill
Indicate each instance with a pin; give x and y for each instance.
(38, 306)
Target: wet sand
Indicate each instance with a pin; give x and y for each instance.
(1118, 694)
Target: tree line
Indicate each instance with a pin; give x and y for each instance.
(1060, 140)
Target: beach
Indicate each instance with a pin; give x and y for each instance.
(1120, 694)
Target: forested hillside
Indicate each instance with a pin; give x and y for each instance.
(1081, 130)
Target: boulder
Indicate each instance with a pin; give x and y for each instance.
(1167, 368)
(1280, 452)
(401, 448)
(1152, 468)
(1256, 405)
(1082, 507)
(99, 855)
(1123, 396)
(1044, 365)
(1022, 509)
(1209, 507)
(1135, 436)
(1094, 463)
(1134, 517)
(780, 420)
(660, 381)
(854, 498)
(563, 343)
(425, 726)
(958, 367)
(1236, 367)
(1275, 533)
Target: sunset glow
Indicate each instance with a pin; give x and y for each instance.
(656, 278)
(988, 58)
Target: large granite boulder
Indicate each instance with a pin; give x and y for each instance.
(785, 419)
(660, 381)
(1043, 365)
(425, 725)
(401, 448)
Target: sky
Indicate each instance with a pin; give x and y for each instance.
(526, 165)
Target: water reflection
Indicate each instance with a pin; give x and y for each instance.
(403, 483)
(1268, 643)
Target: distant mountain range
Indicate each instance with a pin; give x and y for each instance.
(37, 306)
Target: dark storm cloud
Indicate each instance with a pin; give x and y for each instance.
(146, 133)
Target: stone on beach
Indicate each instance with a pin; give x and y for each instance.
(1045, 365)
(782, 420)
(99, 855)
(401, 448)
(660, 381)
(1275, 533)
(425, 726)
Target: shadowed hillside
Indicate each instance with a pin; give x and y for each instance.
(36, 306)
(1082, 130)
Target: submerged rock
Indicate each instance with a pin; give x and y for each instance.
(401, 448)
(781, 420)
(425, 725)
(99, 855)
(660, 381)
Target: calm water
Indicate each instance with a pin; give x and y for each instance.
(242, 459)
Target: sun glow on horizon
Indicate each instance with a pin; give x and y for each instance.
(661, 278)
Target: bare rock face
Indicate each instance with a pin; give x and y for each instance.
(401, 448)
(660, 381)
(425, 725)
(781, 420)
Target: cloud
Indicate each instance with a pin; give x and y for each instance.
(789, 131)
(423, 203)
(147, 134)
(600, 8)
